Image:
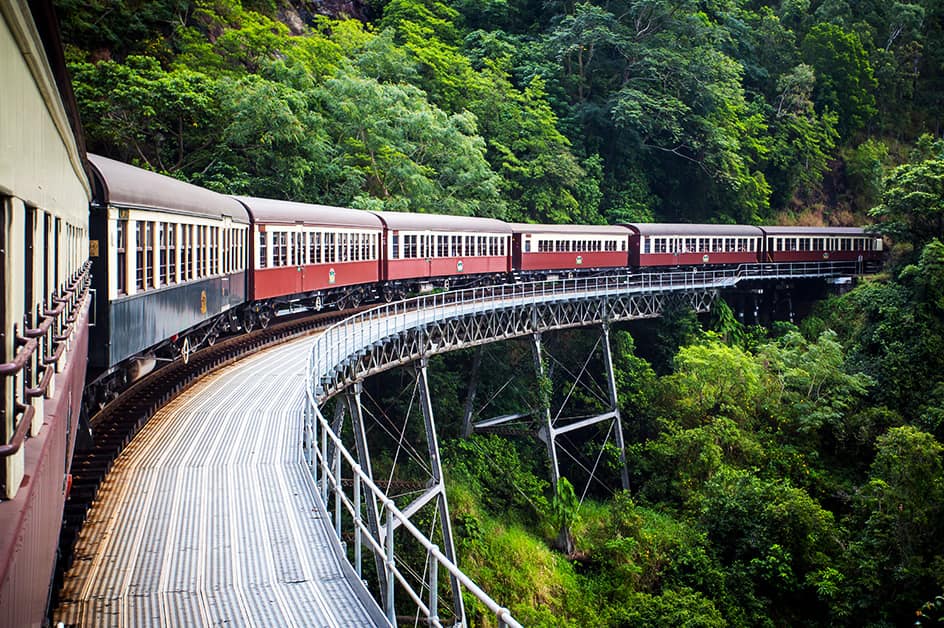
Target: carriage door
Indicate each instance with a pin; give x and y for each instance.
(297, 257)
(427, 247)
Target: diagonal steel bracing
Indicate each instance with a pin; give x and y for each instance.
(404, 332)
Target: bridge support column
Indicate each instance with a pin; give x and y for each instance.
(467, 426)
(432, 440)
(614, 404)
(353, 400)
(546, 432)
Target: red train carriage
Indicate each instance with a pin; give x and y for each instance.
(537, 248)
(662, 244)
(312, 254)
(817, 244)
(435, 246)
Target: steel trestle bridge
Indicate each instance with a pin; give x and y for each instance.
(409, 332)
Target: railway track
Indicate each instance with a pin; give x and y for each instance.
(116, 424)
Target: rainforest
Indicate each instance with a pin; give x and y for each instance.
(784, 474)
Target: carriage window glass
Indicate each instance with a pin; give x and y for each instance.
(184, 253)
(121, 237)
(162, 270)
(214, 250)
(263, 248)
(139, 257)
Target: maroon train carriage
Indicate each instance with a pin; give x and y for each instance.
(315, 255)
(537, 248)
(665, 244)
(817, 244)
(423, 250)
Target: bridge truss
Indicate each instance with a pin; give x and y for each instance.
(409, 332)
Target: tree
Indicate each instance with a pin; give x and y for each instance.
(900, 511)
(912, 208)
(396, 151)
(138, 112)
(845, 81)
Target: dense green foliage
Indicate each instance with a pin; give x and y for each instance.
(785, 477)
(548, 111)
(793, 477)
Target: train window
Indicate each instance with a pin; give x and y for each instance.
(121, 236)
(199, 243)
(162, 252)
(409, 246)
(141, 269)
(753, 244)
(282, 248)
(263, 249)
(214, 246)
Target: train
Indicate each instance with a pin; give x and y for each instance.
(175, 265)
(108, 270)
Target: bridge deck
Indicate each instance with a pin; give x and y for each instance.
(209, 516)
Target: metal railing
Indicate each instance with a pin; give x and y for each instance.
(40, 350)
(344, 340)
(326, 470)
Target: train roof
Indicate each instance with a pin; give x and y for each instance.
(441, 222)
(272, 211)
(826, 231)
(608, 230)
(685, 229)
(124, 185)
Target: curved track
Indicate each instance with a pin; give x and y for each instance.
(209, 515)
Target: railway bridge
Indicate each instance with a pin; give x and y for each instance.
(242, 501)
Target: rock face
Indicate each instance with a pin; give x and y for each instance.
(297, 13)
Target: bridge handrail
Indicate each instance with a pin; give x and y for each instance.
(360, 477)
(340, 341)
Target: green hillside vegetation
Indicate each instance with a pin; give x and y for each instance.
(790, 476)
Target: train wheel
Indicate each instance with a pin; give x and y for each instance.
(319, 303)
(265, 315)
(354, 299)
(211, 338)
(249, 321)
(388, 294)
(185, 350)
